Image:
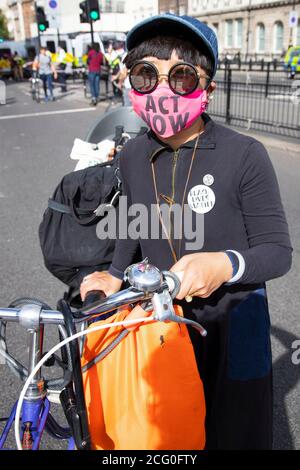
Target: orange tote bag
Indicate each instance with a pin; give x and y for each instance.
(147, 393)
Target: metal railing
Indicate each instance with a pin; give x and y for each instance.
(263, 100)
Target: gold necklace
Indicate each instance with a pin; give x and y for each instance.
(188, 297)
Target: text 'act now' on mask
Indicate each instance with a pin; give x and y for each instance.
(166, 113)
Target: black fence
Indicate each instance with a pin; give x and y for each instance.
(265, 100)
(251, 64)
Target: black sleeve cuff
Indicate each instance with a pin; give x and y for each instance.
(116, 272)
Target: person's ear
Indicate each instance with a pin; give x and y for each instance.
(211, 87)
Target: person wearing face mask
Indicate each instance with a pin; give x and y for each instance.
(226, 183)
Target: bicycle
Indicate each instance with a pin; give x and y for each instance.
(85, 83)
(149, 287)
(35, 87)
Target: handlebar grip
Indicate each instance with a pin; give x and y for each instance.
(93, 296)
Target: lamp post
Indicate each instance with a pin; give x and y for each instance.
(248, 30)
(291, 28)
(36, 20)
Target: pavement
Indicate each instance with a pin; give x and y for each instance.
(273, 141)
(34, 155)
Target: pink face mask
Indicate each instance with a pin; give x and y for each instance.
(167, 113)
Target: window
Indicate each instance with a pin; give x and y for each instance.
(107, 7)
(239, 32)
(51, 46)
(229, 33)
(120, 7)
(63, 44)
(195, 4)
(278, 36)
(260, 37)
(215, 27)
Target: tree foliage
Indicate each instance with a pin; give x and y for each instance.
(4, 33)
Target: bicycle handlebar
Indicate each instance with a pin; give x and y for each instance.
(50, 317)
(101, 306)
(147, 283)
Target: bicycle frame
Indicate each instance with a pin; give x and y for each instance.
(34, 417)
(35, 89)
(39, 416)
(36, 407)
(148, 285)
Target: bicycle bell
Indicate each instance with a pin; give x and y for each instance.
(144, 276)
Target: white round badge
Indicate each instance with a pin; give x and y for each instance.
(208, 180)
(201, 199)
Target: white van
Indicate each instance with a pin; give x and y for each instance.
(50, 41)
(82, 41)
(10, 47)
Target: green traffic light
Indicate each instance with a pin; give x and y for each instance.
(94, 15)
(42, 27)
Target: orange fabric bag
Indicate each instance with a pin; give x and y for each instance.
(147, 393)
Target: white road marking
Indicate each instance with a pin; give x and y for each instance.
(47, 113)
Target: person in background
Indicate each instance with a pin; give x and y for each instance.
(109, 56)
(115, 65)
(94, 60)
(18, 66)
(123, 82)
(105, 74)
(62, 64)
(13, 66)
(43, 64)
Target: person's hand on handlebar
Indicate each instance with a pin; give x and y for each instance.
(203, 273)
(100, 281)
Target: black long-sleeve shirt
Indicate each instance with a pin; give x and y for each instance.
(247, 215)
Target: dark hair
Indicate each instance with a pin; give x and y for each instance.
(95, 46)
(162, 47)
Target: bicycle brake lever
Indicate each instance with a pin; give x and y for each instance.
(164, 311)
(162, 305)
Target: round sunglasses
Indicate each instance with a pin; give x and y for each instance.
(183, 78)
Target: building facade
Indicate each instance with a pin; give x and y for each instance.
(246, 28)
(180, 7)
(20, 15)
(116, 16)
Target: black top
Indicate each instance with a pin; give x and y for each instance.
(234, 360)
(247, 215)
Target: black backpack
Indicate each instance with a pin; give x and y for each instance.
(67, 232)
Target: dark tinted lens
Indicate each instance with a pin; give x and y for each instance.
(183, 79)
(143, 77)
